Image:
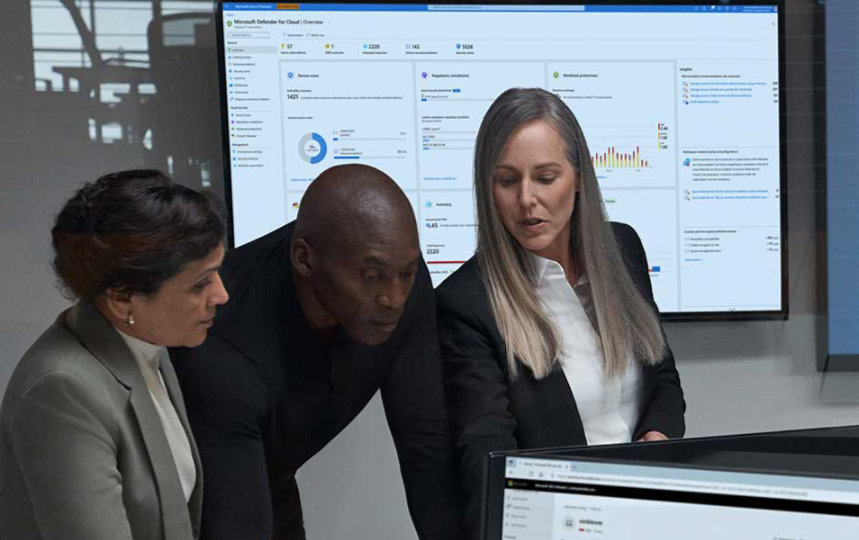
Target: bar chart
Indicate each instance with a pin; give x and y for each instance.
(614, 158)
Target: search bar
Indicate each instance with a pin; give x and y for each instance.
(249, 35)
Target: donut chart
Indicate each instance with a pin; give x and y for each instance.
(312, 148)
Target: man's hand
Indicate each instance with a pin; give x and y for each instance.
(652, 436)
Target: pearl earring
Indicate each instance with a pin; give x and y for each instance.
(129, 321)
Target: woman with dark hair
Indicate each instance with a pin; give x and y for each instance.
(94, 439)
(549, 334)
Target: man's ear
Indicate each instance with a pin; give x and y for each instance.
(302, 257)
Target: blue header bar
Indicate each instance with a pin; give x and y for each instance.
(495, 8)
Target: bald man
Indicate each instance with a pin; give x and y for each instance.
(324, 312)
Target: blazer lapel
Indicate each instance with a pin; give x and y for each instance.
(550, 410)
(174, 509)
(102, 340)
(171, 382)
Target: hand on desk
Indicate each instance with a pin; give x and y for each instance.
(652, 436)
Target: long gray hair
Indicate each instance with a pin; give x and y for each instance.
(627, 324)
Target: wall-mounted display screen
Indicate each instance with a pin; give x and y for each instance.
(680, 105)
(842, 190)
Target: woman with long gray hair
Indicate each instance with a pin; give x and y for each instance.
(550, 335)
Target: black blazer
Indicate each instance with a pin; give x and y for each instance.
(489, 412)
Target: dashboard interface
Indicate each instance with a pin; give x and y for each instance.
(679, 105)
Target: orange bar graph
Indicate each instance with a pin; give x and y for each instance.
(611, 158)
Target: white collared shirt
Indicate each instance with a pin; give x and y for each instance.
(148, 358)
(609, 408)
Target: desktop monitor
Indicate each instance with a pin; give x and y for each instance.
(680, 103)
(553, 497)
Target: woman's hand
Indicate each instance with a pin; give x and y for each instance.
(652, 436)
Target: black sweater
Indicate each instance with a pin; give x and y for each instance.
(264, 394)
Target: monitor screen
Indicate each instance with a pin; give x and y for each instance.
(680, 106)
(574, 499)
(842, 190)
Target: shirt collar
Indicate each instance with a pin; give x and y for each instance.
(545, 269)
(144, 353)
(536, 266)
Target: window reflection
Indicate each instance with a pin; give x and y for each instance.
(126, 73)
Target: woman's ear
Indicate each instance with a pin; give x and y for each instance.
(116, 305)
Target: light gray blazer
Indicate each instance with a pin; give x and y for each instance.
(83, 455)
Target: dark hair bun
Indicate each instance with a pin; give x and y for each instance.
(130, 231)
